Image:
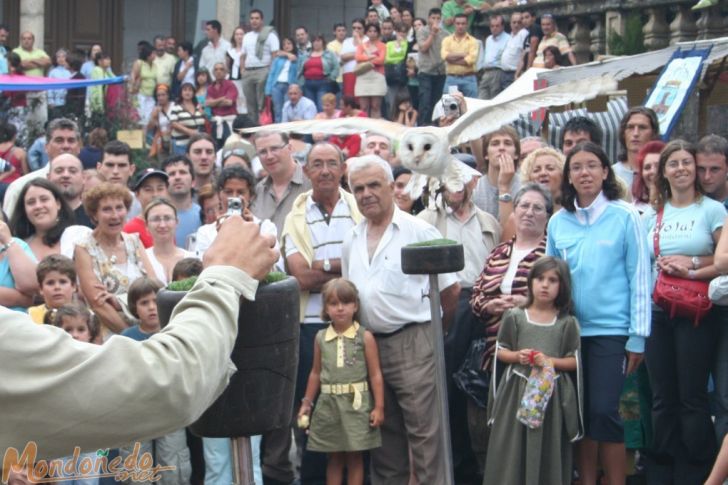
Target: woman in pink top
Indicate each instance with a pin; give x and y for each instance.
(371, 86)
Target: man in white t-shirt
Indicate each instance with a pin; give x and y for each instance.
(513, 51)
(347, 54)
(216, 48)
(259, 47)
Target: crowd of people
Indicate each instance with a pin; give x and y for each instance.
(562, 245)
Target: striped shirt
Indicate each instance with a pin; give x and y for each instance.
(193, 121)
(488, 287)
(327, 235)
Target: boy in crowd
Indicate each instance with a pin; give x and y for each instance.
(186, 268)
(171, 449)
(149, 185)
(57, 280)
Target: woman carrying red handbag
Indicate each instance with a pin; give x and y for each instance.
(680, 351)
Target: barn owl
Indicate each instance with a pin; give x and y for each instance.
(426, 150)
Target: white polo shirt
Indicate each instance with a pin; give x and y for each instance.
(390, 298)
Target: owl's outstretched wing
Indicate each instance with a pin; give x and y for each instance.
(338, 126)
(485, 117)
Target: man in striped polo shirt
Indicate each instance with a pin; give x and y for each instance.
(312, 237)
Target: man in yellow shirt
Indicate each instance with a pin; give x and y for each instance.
(335, 47)
(34, 61)
(460, 52)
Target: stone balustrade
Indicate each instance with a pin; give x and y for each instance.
(589, 23)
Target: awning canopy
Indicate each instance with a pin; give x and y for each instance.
(625, 66)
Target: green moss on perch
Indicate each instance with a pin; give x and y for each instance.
(182, 285)
(433, 242)
(187, 283)
(274, 277)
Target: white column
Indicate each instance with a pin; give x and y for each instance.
(32, 19)
(228, 14)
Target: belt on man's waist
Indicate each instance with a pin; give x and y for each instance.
(254, 68)
(355, 388)
(463, 75)
(403, 327)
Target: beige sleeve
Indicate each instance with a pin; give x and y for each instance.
(62, 393)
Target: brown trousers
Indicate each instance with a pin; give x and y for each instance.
(411, 420)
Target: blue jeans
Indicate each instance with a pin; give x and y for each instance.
(279, 96)
(178, 148)
(430, 88)
(468, 85)
(218, 460)
(314, 89)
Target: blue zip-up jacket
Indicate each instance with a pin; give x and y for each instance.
(275, 70)
(605, 246)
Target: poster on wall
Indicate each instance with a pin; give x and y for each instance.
(673, 87)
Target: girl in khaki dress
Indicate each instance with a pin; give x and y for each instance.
(345, 421)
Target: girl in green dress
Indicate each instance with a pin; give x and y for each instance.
(542, 333)
(345, 368)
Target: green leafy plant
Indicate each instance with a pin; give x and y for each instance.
(633, 40)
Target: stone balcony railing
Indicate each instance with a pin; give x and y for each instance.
(588, 23)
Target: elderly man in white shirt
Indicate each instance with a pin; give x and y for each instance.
(395, 309)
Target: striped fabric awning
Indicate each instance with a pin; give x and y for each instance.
(608, 121)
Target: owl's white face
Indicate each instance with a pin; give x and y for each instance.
(424, 150)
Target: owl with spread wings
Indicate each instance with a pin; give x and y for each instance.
(426, 150)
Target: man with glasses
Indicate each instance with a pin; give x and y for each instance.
(274, 195)
(312, 238)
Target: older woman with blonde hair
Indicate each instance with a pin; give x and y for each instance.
(545, 166)
(108, 260)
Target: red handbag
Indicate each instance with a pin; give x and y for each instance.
(266, 117)
(679, 297)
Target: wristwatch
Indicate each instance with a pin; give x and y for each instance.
(327, 265)
(696, 262)
(5, 247)
(505, 197)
